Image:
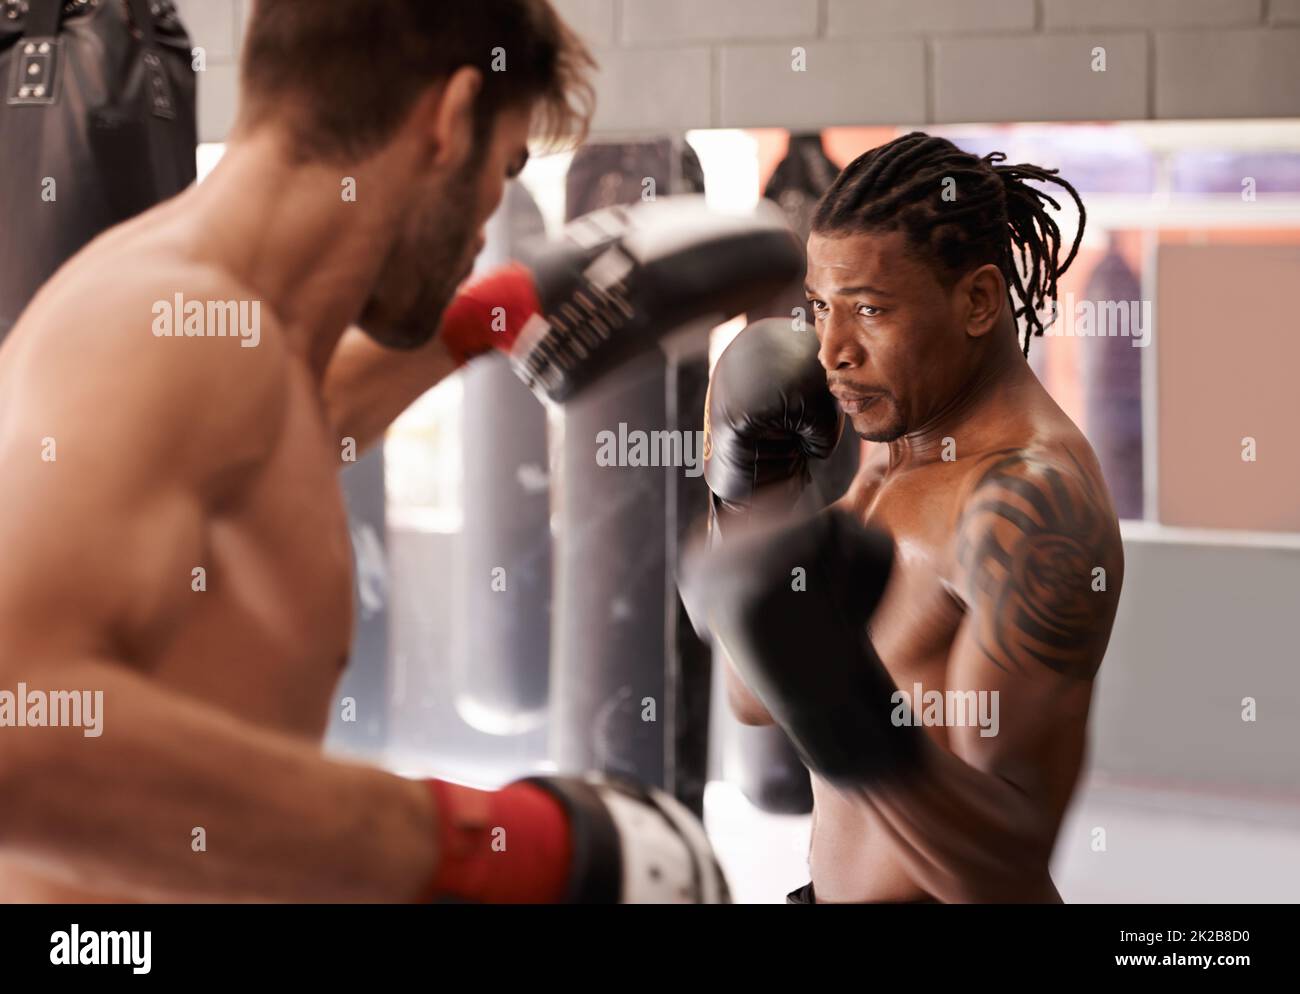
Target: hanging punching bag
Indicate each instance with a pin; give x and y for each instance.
(796, 185)
(504, 559)
(97, 124)
(611, 173)
(1112, 383)
(630, 681)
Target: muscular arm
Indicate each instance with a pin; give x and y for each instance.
(118, 814)
(980, 822)
(151, 436)
(367, 386)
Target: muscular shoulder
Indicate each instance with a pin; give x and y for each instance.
(1039, 560)
(1056, 468)
(111, 348)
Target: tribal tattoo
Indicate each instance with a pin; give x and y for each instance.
(1041, 559)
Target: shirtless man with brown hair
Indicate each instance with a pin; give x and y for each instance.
(174, 533)
(1005, 550)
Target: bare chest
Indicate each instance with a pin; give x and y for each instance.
(270, 616)
(916, 623)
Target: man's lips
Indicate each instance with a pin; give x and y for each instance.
(854, 402)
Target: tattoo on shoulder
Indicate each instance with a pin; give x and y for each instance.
(1037, 547)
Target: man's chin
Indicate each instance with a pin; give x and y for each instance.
(408, 333)
(874, 430)
(402, 340)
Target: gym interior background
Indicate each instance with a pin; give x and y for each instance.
(1186, 149)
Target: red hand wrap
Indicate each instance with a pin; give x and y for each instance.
(489, 312)
(508, 846)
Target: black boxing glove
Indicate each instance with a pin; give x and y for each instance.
(799, 639)
(614, 283)
(767, 413)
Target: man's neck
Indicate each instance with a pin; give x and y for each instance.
(285, 232)
(970, 414)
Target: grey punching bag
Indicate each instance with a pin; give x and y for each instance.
(501, 675)
(630, 682)
(359, 724)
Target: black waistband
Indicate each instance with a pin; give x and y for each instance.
(805, 895)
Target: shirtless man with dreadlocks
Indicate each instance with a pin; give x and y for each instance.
(945, 747)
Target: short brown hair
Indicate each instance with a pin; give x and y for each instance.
(345, 73)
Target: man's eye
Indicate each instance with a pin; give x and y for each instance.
(867, 311)
(818, 306)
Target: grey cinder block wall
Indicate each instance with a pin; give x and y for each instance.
(675, 64)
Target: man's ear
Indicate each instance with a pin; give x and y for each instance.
(449, 117)
(985, 294)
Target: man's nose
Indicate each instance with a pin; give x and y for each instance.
(839, 349)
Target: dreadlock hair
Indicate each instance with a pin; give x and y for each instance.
(994, 217)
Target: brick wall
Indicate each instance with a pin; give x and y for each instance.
(673, 64)
(216, 26)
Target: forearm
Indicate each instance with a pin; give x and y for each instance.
(965, 835)
(367, 386)
(176, 800)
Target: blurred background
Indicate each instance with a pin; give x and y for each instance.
(1179, 123)
(1197, 804)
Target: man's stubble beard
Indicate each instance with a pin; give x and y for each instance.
(891, 431)
(891, 434)
(435, 251)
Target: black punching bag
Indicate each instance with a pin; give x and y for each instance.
(611, 173)
(1112, 383)
(504, 560)
(97, 123)
(797, 184)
